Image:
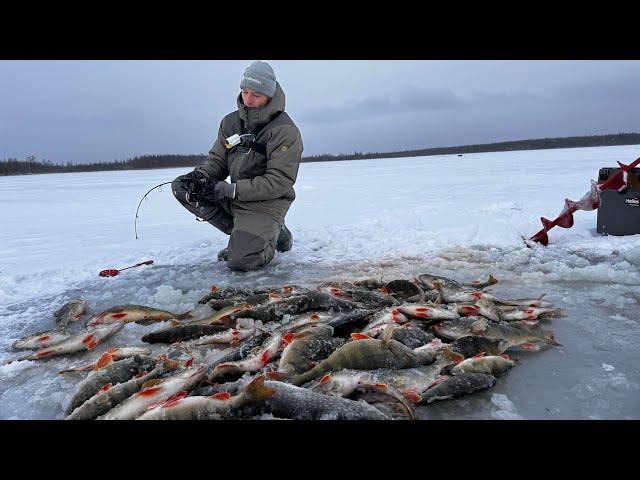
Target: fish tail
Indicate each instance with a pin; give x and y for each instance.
(452, 356)
(279, 376)
(34, 356)
(185, 315)
(309, 375)
(412, 395)
(257, 390)
(69, 370)
(418, 284)
(550, 339)
(438, 287)
(169, 365)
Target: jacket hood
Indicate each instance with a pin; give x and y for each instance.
(257, 117)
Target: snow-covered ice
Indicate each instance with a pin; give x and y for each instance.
(462, 217)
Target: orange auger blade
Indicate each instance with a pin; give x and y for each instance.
(590, 201)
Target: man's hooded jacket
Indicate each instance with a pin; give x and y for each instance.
(258, 177)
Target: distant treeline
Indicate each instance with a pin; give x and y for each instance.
(533, 144)
(30, 165)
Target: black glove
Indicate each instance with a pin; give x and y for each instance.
(224, 190)
(198, 187)
(194, 181)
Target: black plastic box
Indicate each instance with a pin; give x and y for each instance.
(619, 213)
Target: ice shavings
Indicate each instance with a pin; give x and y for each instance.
(12, 369)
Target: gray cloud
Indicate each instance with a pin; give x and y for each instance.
(414, 99)
(486, 118)
(82, 111)
(410, 99)
(623, 89)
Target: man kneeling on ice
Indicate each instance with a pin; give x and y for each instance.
(260, 148)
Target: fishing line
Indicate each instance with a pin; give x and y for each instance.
(135, 223)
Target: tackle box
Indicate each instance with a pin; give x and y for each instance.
(619, 213)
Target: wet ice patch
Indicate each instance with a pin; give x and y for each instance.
(506, 408)
(620, 383)
(600, 385)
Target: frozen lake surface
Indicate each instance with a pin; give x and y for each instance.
(462, 217)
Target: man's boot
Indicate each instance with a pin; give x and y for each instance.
(285, 240)
(223, 255)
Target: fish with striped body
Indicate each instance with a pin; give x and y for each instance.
(82, 342)
(155, 392)
(135, 313)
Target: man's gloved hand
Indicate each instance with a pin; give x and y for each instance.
(198, 187)
(194, 180)
(224, 190)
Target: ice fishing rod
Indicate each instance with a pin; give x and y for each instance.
(112, 272)
(135, 223)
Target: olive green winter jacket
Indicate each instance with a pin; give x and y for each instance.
(258, 177)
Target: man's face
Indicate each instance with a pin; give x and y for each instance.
(253, 99)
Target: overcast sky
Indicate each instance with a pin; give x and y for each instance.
(86, 111)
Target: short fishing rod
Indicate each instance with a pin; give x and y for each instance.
(135, 223)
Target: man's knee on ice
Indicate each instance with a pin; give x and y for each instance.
(248, 251)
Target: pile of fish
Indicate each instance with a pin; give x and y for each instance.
(365, 349)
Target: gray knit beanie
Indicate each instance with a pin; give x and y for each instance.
(259, 76)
